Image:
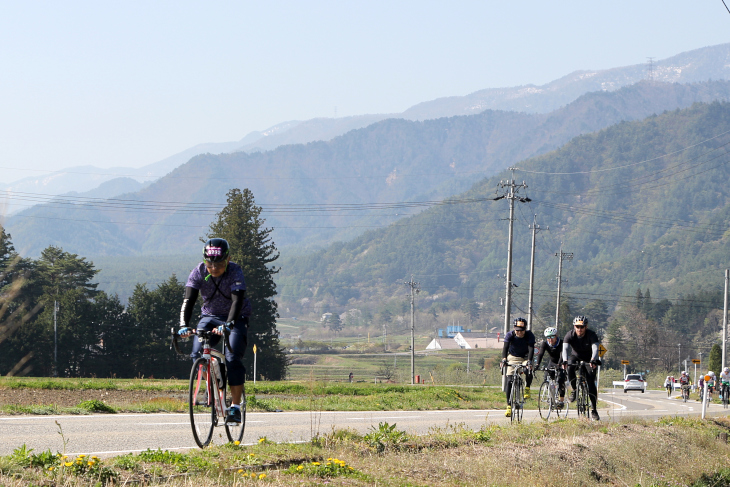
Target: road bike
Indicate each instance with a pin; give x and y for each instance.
(685, 393)
(516, 399)
(669, 390)
(208, 397)
(725, 391)
(582, 397)
(549, 396)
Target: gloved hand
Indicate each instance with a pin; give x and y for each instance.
(183, 331)
(226, 327)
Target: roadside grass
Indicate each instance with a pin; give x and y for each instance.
(59, 383)
(567, 452)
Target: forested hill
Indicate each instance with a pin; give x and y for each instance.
(641, 203)
(393, 160)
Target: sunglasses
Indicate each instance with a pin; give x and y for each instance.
(579, 327)
(216, 265)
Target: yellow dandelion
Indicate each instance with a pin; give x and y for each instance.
(253, 475)
(236, 442)
(251, 455)
(300, 467)
(351, 468)
(51, 468)
(262, 476)
(329, 459)
(240, 470)
(90, 464)
(82, 456)
(68, 464)
(316, 463)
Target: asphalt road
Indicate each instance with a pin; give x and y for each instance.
(115, 434)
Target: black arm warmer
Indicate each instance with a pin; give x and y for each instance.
(237, 299)
(530, 353)
(505, 350)
(541, 354)
(186, 312)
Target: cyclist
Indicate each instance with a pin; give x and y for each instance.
(668, 384)
(724, 379)
(222, 286)
(584, 344)
(710, 385)
(519, 348)
(553, 345)
(685, 383)
(701, 386)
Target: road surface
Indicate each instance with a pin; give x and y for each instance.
(115, 434)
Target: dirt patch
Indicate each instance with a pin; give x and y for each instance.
(69, 398)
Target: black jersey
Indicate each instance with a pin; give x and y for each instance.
(555, 353)
(582, 346)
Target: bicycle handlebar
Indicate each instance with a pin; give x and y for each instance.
(204, 334)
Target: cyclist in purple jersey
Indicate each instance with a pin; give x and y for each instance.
(221, 284)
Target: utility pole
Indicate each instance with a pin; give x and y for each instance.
(724, 321)
(561, 257)
(55, 339)
(414, 290)
(680, 358)
(385, 337)
(510, 193)
(530, 312)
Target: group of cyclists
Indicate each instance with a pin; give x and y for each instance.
(578, 345)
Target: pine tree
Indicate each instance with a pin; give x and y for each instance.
(714, 364)
(240, 223)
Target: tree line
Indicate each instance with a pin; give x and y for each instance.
(55, 322)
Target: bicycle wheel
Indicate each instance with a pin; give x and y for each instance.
(235, 431)
(544, 401)
(201, 406)
(518, 398)
(582, 400)
(725, 399)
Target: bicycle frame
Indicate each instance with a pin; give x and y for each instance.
(212, 355)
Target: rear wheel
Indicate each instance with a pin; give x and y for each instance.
(235, 431)
(725, 396)
(544, 402)
(200, 403)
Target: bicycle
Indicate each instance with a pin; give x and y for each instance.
(207, 396)
(725, 391)
(516, 399)
(547, 398)
(582, 398)
(669, 391)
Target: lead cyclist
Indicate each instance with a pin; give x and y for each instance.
(221, 284)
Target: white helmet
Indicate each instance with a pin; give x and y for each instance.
(726, 369)
(684, 372)
(550, 332)
(710, 373)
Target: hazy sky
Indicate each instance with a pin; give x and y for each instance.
(129, 83)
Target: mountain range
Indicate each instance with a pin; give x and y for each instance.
(393, 160)
(693, 66)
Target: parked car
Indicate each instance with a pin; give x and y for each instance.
(634, 382)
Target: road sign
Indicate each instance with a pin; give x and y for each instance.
(696, 361)
(601, 350)
(624, 362)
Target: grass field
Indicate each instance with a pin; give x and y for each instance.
(683, 452)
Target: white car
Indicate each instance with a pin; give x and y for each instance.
(634, 382)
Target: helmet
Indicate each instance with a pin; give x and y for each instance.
(726, 369)
(550, 332)
(710, 373)
(684, 372)
(215, 250)
(580, 320)
(520, 323)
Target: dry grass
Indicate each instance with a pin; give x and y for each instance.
(668, 452)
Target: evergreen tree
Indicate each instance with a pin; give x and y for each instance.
(240, 223)
(714, 364)
(639, 299)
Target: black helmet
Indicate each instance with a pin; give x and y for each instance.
(215, 250)
(580, 320)
(520, 323)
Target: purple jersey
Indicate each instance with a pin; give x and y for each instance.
(216, 292)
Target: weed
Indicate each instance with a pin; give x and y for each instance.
(333, 467)
(96, 406)
(384, 436)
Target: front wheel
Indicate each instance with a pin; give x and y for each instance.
(201, 405)
(517, 398)
(582, 400)
(235, 431)
(544, 401)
